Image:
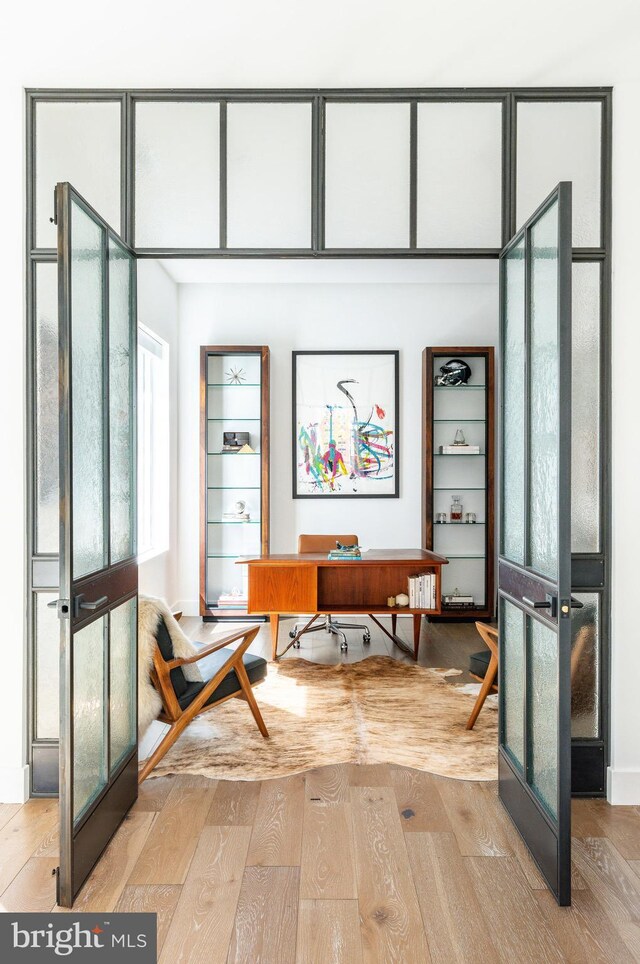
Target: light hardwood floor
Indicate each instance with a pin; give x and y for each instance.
(345, 863)
(342, 864)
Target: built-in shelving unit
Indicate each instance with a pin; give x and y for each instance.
(469, 546)
(234, 400)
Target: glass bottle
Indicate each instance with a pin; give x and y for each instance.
(456, 509)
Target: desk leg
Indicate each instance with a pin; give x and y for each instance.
(417, 625)
(394, 622)
(274, 619)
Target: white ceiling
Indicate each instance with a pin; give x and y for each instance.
(331, 271)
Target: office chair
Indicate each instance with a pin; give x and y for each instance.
(315, 543)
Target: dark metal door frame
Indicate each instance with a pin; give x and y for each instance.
(540, 598)
(94, 596)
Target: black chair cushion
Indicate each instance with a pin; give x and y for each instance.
(255, 666)
(163, 639)
(479, 663)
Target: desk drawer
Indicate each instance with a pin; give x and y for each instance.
(282, 589)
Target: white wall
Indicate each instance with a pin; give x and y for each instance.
(320, 316)
(362, 43)
(158, 310)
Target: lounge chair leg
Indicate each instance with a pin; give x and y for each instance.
(489, 680)
(247, 690)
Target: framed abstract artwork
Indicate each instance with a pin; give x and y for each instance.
(345, 424)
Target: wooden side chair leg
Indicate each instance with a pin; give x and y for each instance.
(489, 680)
(162, 749)
(247, 693)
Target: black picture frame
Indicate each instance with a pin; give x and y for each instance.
(394, 356)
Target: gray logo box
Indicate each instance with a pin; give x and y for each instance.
(79, 938)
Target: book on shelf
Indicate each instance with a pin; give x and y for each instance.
(422, 591)
(459, 450)
(457, 599)
(232, 600)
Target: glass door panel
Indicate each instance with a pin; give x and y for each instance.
(535, 560)
(98, 572)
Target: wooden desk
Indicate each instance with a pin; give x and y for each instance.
(309, 582)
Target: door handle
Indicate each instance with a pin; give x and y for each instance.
(576, 604)
(80, 603)
(549, 602)
(540, 604)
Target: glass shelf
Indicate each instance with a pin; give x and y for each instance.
(227, 385)
(231, 454)
(234, 522)
(230, 418)
(459, 388)
(221, 555)
(464, 455)
(234, 488)
(459, 525)
(465, 420)
(459, 488)
(456, 555)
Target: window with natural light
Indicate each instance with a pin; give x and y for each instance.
(153, 444)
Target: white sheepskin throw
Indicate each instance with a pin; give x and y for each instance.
(149, 612)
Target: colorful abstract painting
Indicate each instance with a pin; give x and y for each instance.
(345, 417)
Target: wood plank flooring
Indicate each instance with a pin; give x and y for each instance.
(343, 864)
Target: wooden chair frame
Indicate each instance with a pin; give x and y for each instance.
(173, 713)
(490, 637)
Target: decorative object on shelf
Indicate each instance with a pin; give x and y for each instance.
(441, 518)
(233, 441)
(238, 513)
(236, 376)
(402, 600)
(459, 438)
(455, 372)
(470, 518)
(233, 600)
(345, 418)
(391, 601)
(246, 450)
(456, 509)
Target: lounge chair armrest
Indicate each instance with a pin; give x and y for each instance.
(208, 650)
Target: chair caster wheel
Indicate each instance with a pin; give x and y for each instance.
(343, 647)
(296, 645)
(366, 639)
(292, 634)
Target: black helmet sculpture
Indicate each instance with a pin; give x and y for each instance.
(455, 372)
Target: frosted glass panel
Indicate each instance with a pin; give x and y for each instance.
(87, 383)
(561, 142)
(585, 667)
(513, 499)
(544, 416)
(585, 409)
(512, 692)
(47, 670)
(80, 143)
(121, 326)
(367, 175)
(47, 510)
(89, 743)
(123, 681)
(543, 695)
(177, 170)
(269, 175)
(459, 175)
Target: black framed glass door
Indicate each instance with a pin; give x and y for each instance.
(98, 571)
(534, 571)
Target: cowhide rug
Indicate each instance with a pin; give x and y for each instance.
(378, 710)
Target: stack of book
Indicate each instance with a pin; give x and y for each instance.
(346, 552)
(232, 600)
(458, 601)
(459, 449)
(422, 591)
(236, 517)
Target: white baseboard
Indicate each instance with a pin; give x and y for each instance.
(623, 787)
(14, 784)
(151, 739)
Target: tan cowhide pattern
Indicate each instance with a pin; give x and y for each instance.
(378, 710)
